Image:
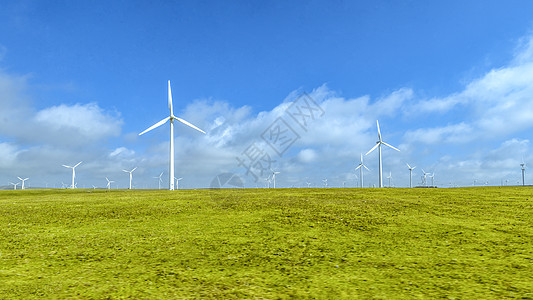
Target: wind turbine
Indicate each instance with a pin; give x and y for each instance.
(109, 183)
(22, 180)
(325, 182)
(171, 118)
(159, 181)
(131, 174)
(73, 186)
(432, 176)
(410, 174)
(523, 165)
(378, 145)
(14, 185)
(308, 184)
(389, 177)
(178, 182)
(268, 181)
(274, 177)
(424, 177)
(361, 166)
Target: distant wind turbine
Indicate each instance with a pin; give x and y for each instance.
(178, 182)
(159, 181)
(523, 167)
(308, 183)
(109, 183)
(360, 167)
(325, 181)
(410, 174)
(22, 180)
(424, 177)
(131, 174)
(274, 173)
(268, 181)
(171, 118)
(389, 177)
(14, 185)
(73, 186)
(378, 145)
(432, 176)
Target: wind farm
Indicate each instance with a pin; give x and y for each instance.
(276, 150)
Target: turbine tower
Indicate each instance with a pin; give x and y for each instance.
(22, 180)
(410, 174)
(378, 145)
(274, 177)
(131, 174)
(361, 166)
(73, 186)
(523, 165)
(171, 118)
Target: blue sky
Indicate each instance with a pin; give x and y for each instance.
(450, 83)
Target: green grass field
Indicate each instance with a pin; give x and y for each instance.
(473, 243)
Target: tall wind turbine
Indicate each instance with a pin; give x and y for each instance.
(378, 145)
(22, 180)
(73, 186)
(325, 181)
(109, 183)
(274, 177)
(131, 174)
(523, 165)
(432, 176)
(159, 180)
(361, 166)
(14, 185)
(171, 118)
(178, 182)
(410, 174)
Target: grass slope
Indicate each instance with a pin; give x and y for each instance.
(265, 243)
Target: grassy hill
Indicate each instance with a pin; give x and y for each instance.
(266, 243)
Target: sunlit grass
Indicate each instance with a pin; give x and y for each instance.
(259, 243)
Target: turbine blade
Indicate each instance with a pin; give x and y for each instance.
(408, 165)
(19, 178)
(156, 125)
(391, 146)
(358, 167)
(170, 99)
(126, 171)
(373, 148)
(133, 169)
(66, 166)
(190, 125)
(77, 164)
(366, 168)
(379, 131)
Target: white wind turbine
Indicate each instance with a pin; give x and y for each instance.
(325, 181)
(178, 182)
(424, 180)
(432, 176)
(268, 181)
(389, 178)
(109, 183)
(308, 183)
(361, 166)
(73, 186)
(171, 118)
(523, 167)
(159, 180)
(22, 180)
(131, 174)
(274, 177)
(410, 174)
(14, 185)
(378, 145)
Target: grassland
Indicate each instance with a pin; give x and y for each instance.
(284, 243)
